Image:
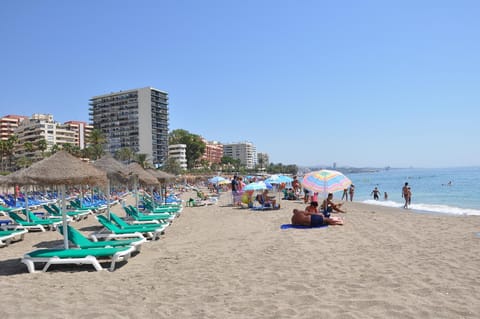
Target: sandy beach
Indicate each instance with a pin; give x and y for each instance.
(224, 262)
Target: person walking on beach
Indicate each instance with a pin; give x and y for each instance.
(351, 191)
(405, 195)
(375, 193)
(234, 188)
(345, 194)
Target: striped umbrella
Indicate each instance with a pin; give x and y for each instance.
(325, 181)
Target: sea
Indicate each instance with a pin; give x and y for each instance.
(454, 191)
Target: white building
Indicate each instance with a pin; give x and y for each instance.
(243, 151)
(179, 153)
(41, 127)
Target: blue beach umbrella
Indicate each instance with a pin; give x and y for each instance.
(217, 179)
(257, 186)
(279, 179)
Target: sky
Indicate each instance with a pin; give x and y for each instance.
(369, 83)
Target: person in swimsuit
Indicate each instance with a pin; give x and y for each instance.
(312, 208)
(329, 206)
(375, 193)
(304, 218)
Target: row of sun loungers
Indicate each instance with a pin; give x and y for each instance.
(116, 242)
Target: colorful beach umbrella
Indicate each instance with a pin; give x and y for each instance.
(325, 181)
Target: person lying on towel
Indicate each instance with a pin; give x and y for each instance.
(313, 219)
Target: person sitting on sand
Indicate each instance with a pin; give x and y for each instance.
(304, 218)
(312, 208)
(265, 200)
(329, 206)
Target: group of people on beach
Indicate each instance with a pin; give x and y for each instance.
(313, 217)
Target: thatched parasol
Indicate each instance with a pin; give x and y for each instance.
(116, 171)
(160, 175)
(64, 169)
(163, 177)
(144, 177)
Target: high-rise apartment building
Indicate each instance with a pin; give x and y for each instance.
(8, 125)
(136, 119)
(244, 151)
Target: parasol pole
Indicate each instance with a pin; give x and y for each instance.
(64, 217)
(26, 202)
(108, 198)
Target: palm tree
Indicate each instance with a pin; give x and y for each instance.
(142, 160)
(10, 148)
(42, 146)
(124, 154)
(97, 141)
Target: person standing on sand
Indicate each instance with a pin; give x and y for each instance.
(405, 195)
(345, 194)
(351, 191)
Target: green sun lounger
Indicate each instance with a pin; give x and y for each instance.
(52, 222)
(7, 236)
(111, 230)
(163, 209)
(137, 215)
(76, 256)
(30, 225)
(125, 225)
(83, 242)
(76, 215)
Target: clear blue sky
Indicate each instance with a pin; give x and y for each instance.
(359, 83)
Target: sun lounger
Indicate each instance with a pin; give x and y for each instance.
(112, 231)
(141, 217)
(28, 225)
(76, 214)
(7, 236)
(81, 241)
(76, 256)
(51, 222)
(124, 225)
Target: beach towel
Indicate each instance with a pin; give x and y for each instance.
(287, 226)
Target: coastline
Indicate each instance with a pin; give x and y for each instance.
(224, 262)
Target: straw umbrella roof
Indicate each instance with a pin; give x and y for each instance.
(63, 169)
(144, 177)
(115, 170)
(161, 175)
(19, 177)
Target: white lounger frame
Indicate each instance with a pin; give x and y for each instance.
(90, 260)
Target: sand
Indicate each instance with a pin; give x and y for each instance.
(223, 262)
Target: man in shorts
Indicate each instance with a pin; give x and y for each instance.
(304, 218)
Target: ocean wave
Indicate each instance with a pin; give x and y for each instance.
(443, 209)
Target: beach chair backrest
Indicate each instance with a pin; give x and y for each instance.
(120, 222)
(107, 224)
(74, 236)
(16, 218)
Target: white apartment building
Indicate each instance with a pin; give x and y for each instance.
(41, 127)
(179, 153)
(243, 151)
